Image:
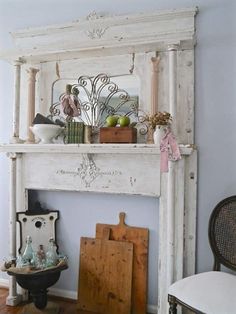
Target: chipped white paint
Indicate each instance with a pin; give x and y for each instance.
(154, 91)
(190, 214)
(16, 107)
(171, 200)
(117, 46)
(125, 34)
(95, 31)
(31, 103)
(12, 299)
(106, 173)
(130, 149)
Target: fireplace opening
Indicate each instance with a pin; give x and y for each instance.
(79, 214)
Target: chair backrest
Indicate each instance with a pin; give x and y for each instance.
(222, 233)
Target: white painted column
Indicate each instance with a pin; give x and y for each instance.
(154, 85)
(12, 299)
(171, 174)
(16, 108)
(31, 103)
(173, 84)
(167, 203)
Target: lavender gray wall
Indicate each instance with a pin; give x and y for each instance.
(215, 124)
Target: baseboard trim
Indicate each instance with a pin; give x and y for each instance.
(152, 309)
(67, 294)
(70, 294)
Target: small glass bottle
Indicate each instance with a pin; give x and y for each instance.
(41, 257)
(19, 261)
(51, 255)
(28, 252)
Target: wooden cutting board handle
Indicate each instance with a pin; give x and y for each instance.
(122, 219)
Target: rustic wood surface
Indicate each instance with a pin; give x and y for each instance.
(118, 135)
(66, 306)
(51, 308)
(139, 237)
(105, 275)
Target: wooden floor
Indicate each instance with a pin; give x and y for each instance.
(66, 307)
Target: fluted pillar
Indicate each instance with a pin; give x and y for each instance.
(31, 103)
(13, 298)
(16, 107)
(171, 174)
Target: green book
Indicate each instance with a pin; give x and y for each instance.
(74, 132)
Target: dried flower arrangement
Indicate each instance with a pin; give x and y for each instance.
(158, 119)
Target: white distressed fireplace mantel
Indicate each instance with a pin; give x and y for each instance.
(158, 48)
(106, 168)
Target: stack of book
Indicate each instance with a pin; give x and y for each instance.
(74, 132)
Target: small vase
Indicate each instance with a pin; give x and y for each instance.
(158, 134)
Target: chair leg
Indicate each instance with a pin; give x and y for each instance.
(172, 304)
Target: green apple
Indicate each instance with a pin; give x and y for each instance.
(124, 121)
(111, 121)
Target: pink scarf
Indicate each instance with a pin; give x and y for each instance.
(169, 150)
(71, 106)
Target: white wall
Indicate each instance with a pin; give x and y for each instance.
(215, 120)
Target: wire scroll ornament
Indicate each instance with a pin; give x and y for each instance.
(92, 99)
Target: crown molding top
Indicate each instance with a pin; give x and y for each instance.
(99, 34)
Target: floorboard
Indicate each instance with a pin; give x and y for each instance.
(66, 306)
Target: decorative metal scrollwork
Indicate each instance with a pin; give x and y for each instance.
(95, 98)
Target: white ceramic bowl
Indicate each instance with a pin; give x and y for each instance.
(46, 132)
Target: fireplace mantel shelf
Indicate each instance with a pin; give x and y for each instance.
(151, 149)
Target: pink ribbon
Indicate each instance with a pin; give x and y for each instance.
(169, 150)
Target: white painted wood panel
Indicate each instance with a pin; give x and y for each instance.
(143, 69)
(106, 35)
(190, 214)
(179, 219)
(185, 96)
(162, 248)
(131, 149)
(185, 93)
(111, 173)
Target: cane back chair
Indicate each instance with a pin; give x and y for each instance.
(212, 292)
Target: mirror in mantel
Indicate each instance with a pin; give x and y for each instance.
(92, 99)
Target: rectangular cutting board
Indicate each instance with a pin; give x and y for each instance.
(105, 275)
(140, 238)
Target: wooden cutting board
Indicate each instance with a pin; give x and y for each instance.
(105, 275)
(139, 237)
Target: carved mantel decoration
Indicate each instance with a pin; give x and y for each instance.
(96, 31)
(156, 51)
